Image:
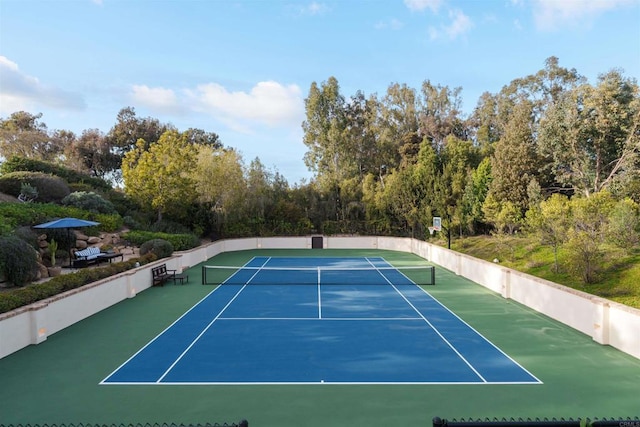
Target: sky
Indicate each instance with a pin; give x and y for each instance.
(242, 69)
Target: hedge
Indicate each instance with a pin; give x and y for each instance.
(16, 164)
(180, 242)
(51, 188)
(19, 297)
(13, 215)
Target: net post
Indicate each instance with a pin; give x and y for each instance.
(433, 275)
(204, 275)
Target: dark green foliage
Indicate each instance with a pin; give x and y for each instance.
(17, 164)
(160, 247)
(169, 227)
(50, 188)
(109, 222)
(15, 298)
(28, 193)
(131, 222)
(180, 242)
(66, 238)
(123, 204)
(18, 260)
(17, 214)
(89, 201)
(28, 235)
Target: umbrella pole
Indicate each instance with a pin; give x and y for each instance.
(69, 235)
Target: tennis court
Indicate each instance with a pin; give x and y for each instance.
(71, 377)
(319, 320)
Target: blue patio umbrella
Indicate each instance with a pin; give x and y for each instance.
(67, 223)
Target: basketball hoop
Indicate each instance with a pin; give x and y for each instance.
(431, 230)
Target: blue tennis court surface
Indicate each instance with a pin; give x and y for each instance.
(350, 327)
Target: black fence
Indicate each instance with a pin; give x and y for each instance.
(621, 422)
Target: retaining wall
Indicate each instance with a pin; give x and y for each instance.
(605, 321)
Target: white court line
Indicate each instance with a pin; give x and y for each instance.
(317, 383)
(430, 324)
(361, 319)
(209, 325)
(319, 297)
(478, 333)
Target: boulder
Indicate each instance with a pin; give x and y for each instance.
(42, 272)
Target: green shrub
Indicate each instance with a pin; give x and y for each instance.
(109, 222)
(21, 164)
(130, 222)
(89, 201)
(15, 298)
(160, 247)
(50, 188)
(169, 227)
(180, 242)
(28, 235)
(28, 193)
(18, 260)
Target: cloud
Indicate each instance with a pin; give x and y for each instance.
(158, 99)
(460, 24)
(420, 5)
(313, 8)
(20, 91)
(268, 103)
(550, 15)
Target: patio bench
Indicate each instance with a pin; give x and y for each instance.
(87, 256)
(160, 275)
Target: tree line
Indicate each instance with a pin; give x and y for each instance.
(388, 163)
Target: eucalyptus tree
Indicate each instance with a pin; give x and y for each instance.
(324, 133)
(397, 127)
(22, 134)
(592, 135)
(324, 129)
(440, 114)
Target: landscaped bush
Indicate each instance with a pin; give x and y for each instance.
(89, 201)
(169, 227)
(15, 298)
(50, 188)
(18, 260)
(17, 214)
(17, 164)
(180, 242)
(160, 247)
(109, 222)
(28, 235)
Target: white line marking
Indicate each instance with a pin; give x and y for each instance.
(433, 327)
(319, 297)
(199, 336)
(271, 383)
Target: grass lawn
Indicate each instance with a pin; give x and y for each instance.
(618, 276)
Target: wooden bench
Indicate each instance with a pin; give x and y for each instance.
(160, 275)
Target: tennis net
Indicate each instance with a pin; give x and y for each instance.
(225, 275)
